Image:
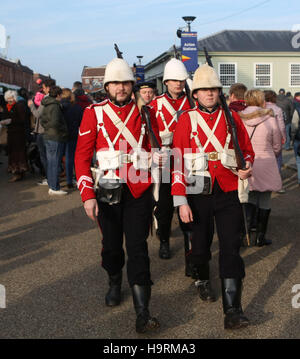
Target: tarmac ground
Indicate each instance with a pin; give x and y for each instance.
(50, 268)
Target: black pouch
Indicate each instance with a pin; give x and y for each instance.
(109, 192)
(200, 185)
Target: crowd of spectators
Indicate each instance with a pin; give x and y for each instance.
(39, 132)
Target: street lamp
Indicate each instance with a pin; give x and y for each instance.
(189, 20)
(140, 59)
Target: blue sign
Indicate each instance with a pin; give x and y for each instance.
(140, 73)
(189, 50)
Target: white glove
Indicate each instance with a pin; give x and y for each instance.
(160, 158)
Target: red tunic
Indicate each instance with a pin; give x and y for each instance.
(91, 139)
(181, 103)
(227, 180)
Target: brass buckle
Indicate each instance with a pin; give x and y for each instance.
(213, 156)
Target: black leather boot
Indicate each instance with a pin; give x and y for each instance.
(263, 218)
(187, 248)
(202, 282)
(231, 297)
(141, 298)
(164, 249)
(113, 296)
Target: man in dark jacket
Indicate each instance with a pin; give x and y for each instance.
(55, 136)
(82, 99)
(287, 108)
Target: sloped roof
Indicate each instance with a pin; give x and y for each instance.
(249, 41)
(93, 71)
(15, 64)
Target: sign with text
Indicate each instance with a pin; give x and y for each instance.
(140, 73)
(189, 50)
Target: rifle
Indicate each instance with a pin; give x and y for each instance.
(241, 163)
(186, 86)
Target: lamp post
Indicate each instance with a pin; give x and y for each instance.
(140, 59)
(140, 72)
(189, 20)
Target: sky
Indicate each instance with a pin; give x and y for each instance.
(59, 37)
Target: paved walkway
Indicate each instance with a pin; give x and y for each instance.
(51, 269)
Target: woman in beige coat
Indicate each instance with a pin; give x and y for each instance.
(265, 137)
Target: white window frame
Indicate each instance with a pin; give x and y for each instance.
(235, 71)
(290, 73)
(271, 74)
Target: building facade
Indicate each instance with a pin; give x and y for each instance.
(259, 59)
(14, 75)
(92, 79)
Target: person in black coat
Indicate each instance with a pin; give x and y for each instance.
(73, 114)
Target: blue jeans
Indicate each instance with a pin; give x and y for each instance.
(42, 150)
(54, 152)
(287, 144)
(296, 144)
(70, 154)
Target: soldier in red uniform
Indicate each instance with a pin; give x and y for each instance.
(168, 108)
(122, 202)
(203, 142)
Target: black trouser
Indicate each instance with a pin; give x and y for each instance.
(164, 212)
(131, 217)
(226, 209)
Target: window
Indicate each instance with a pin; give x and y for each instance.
(227, 73)
(263, 75)
(87, 81)
(295, 75)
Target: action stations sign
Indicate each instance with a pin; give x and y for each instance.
(189, 50)
(140, 73)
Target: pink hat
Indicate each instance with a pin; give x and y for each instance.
(38, 98)
(38, 81)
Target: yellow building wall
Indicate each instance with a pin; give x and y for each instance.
(246, 68)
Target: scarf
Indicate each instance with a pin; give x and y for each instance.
(10, 106)
(237, 106)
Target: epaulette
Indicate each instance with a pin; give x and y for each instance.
(160, 96)
(97, 104)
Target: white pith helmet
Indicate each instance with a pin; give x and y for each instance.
(175, 70)
(118, 70)
(205, 77)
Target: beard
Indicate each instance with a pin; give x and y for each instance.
(114, 100)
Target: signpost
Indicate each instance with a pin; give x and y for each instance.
(140, 73)
(189, 50)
